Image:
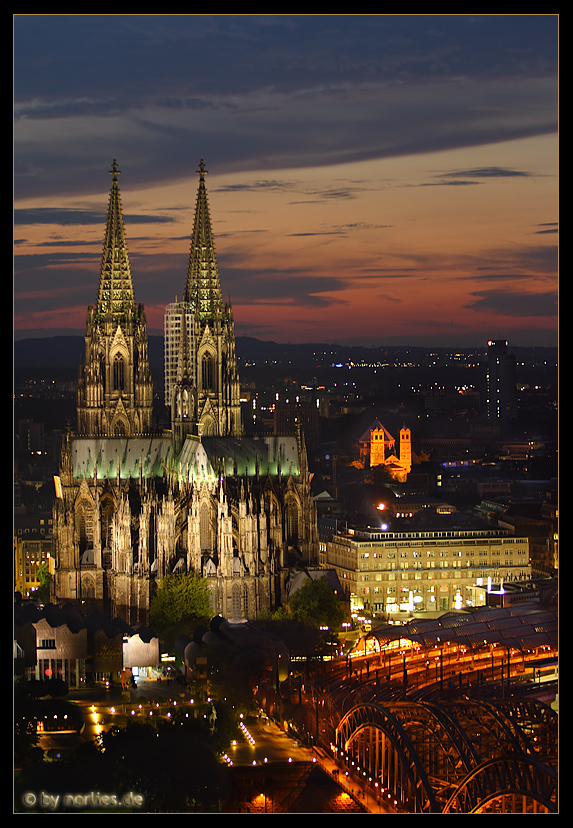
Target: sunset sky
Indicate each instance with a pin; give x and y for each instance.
(373, 179)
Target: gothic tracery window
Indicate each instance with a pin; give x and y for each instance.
(118, 373)
(84, 525)
(292, 517)
(88, 587)
(106, 516)
(236, 603)
(205, 528)
(207, 373)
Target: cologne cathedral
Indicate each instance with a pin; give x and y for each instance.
(133, 504)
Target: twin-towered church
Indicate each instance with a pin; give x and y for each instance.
(134, 505)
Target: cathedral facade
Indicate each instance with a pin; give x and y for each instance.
(133, 505)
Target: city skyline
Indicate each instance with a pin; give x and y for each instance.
(372, 179)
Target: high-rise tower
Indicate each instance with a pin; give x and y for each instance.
(180, 369)
(115, 390)
(500, 397)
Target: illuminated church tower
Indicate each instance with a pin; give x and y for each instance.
(115, 390)
(208, 349)
(406, 449)
(378, 448)
(133, 506)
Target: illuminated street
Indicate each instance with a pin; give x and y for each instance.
(263, 741)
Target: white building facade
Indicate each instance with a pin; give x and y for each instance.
(179, 346)
(437, 571)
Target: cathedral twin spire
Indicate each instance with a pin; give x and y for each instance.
(115, 390)
(215, 374)
(202, 289)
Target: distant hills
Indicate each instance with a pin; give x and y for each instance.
(55, 351)
(63, 354)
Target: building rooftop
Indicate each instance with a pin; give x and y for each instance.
(526, 626)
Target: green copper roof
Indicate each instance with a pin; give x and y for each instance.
(130, 456)
(198, 459)
(251, 456)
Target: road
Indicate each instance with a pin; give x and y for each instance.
(263, 741)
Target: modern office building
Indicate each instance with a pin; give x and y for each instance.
(52, 642)
(435, 570)
(179, 341)
(500, 390)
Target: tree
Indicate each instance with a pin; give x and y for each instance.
(234, 672)
(316, 604)
(301, 640)
(182, 603)
(44, 579)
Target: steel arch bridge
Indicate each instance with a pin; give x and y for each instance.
(454, 757)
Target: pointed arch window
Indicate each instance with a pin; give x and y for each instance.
(207, 373)
(292, 519)
(119, 429)
(186, 405)
(118, 373)
(102, 372)
(205, 528)
(88, 587)
(84, 525)
(106, 517)
(236, 603)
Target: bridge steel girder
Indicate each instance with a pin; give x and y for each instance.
(506, 776)
(417, 791)
(423, 751)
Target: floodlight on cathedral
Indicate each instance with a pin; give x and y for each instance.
(115, 389)
(201, 379)
(133, 505)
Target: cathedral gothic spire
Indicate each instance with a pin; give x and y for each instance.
(115, 295)
(115, 390)
(134, 506)
(203, 288)
(209, 341)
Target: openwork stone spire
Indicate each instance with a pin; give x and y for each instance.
(134, 504)
(203, 288)
(115, 388)
(115, 295)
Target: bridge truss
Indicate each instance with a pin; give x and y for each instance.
(458, 756)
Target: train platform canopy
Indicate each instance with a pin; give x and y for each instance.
(521, 628)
